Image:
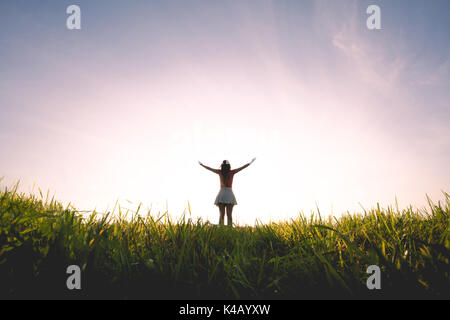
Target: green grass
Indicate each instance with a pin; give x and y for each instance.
(149, 257)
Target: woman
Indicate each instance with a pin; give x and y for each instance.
(225, 200)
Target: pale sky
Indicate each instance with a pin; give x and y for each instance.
(336, 114)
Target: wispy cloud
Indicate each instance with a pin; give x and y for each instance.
(371, 65)
(439, 76)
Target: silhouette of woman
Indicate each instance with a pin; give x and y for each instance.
(225, 199)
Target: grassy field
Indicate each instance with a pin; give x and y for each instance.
(149, 257)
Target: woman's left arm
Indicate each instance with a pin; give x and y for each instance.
(243, 167)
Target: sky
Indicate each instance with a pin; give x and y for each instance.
(339, 117)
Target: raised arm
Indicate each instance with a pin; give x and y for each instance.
(210, 169)
(243, 167)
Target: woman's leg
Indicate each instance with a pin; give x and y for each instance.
(229, 214)
(222, 213)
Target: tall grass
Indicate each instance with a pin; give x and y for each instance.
(155, 257)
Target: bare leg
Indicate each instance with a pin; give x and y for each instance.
(229, 215)
(222, 213)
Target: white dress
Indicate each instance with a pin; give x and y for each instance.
(225, 196)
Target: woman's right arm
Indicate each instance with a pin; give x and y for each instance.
(210, 169)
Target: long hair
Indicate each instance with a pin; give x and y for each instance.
(225, 168)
